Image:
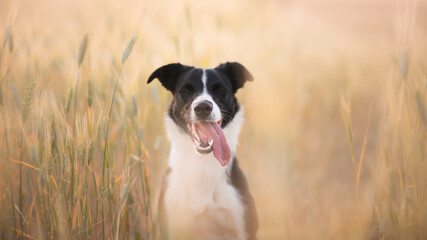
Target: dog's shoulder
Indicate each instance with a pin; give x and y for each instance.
(238, 180)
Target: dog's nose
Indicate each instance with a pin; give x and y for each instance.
(203, 109)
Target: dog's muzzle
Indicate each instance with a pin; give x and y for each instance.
(206, 132)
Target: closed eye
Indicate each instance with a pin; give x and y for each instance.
(187, 89)
(218, 89)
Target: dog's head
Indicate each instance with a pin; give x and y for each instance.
(204, 102)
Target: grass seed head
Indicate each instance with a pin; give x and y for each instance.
(422, 109)
(1, 96)
(89, 93)
(28, 100)
(11, 43)
(128, 49)
(6, 37)
(404, 64)
(70, 96)
(134, 105)
(81, 152)
(82, 49)
(90, 151)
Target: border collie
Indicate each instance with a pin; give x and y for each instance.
(204, 193)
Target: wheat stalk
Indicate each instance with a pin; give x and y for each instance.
(28, 100)
(125, 55)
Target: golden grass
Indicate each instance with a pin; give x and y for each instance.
(334, 142)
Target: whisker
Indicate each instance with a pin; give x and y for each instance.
(226, 115)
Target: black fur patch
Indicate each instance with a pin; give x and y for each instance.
(238, 180)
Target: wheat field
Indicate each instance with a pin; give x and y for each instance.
(334, 144)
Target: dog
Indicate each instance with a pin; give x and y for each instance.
(204, 193)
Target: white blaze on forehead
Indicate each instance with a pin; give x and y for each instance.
(215, 115)
(204, 81)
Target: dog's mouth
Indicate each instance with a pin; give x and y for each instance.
(208, 137)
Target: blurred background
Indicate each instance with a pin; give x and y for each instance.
(333, 145)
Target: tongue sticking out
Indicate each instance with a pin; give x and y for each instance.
(208, 131)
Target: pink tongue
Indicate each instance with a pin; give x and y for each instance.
(212, 131)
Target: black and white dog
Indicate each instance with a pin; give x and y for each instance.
(204, 194)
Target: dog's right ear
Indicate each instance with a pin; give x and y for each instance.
(168, 75)
(237, 74)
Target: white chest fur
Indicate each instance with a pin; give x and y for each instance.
(199, 201)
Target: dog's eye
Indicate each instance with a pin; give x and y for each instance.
(219, 90)
(187, 89)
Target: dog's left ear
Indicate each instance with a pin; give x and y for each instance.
(168, 75)
(237, 74)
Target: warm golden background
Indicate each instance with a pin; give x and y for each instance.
(335, 140)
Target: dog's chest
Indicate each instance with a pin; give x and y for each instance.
(199, 199)
(199, 183)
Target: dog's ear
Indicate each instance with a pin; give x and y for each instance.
(237, 74)
(169, 74)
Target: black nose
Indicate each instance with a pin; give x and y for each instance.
(203, 109)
